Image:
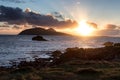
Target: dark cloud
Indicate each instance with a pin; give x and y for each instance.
(8, 13)
(14, 1)
(47, 20)
(17, 16)
(58, 15)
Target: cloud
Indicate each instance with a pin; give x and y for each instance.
(8, 13)
(111, 26)
(78, 3)
(110, 30)
(14, 1)
(17, 16)
(58, 15)
(28, 10)
(92, 24)
(16, 27)
(3, 24)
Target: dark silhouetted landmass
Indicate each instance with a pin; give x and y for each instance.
(41, 31)
(38, 38)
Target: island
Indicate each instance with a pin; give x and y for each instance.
(41, 31)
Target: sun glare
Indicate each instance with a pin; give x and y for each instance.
(84, 29)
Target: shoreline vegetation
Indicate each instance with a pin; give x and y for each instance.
(73, 64)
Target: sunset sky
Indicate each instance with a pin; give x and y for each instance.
(64, 15)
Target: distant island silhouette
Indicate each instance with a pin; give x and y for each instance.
(41, 31)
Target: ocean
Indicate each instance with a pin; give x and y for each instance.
(15, 48)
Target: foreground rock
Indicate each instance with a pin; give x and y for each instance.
(38, 38)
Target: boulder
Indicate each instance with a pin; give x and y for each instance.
(117, 45)
(108, 44)
(38, 38)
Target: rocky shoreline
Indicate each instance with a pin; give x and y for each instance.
(75, 63)
(110, 53)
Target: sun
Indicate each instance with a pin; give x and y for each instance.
(84, 29)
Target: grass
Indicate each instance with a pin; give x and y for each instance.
(73, 70)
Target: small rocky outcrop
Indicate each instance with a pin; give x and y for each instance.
(108, 44)
(38, 38)
(117, 45)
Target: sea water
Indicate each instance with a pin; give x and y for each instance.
(21, 47)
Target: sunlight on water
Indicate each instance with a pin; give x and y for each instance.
(17, 48)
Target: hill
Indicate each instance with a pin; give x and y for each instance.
(41, 31)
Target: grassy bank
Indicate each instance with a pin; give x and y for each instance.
(71, 70)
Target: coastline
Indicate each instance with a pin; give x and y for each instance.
(75, 63)
(108, 53)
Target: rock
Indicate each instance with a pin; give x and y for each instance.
(117, 45)
(108, 44)
(38, 38)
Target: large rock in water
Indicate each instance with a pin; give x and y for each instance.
(41, 31)
(38, 38)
